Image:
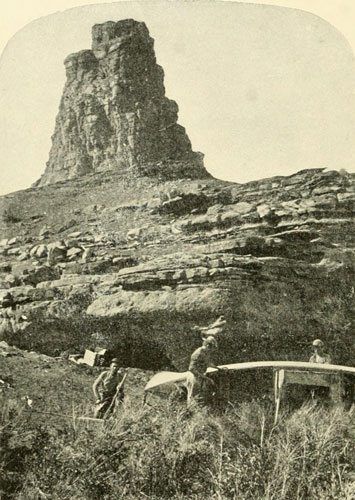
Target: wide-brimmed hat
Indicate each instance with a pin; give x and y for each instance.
(318, 343)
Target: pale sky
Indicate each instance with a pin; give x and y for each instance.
(262, 90)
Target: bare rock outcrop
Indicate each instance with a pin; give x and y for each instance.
(114, 114)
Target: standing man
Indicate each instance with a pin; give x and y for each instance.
(200, 360)
(109, 385)
(6, 328)
(319, 356)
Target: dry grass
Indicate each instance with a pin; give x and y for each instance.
(166, 451)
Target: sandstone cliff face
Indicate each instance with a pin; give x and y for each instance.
(114, 115)
(133, 264)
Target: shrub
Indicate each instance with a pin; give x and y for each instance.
(10, 216)
(17, 442)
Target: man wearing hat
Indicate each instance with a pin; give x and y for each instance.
(319, 356)
(108, 385)
(201, 359)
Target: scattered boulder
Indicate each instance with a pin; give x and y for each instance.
(39, 251)
(88, 254)
(264, 210)
(74, 235)
(9, 281)
(183, 204)
(74, 252)
(57, 252)
(215, 209)
(200, 223)
(23, 256)
(44, 232)
(14, 251)
(5, 267)
(134, 234)
(242, 208)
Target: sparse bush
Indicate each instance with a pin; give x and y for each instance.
(10, 216)
(18, 440)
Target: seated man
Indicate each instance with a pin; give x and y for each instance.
(319, 356)
(107, 387)
(200, 360)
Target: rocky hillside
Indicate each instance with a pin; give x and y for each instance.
(127, 242)
(133, 263)
(114, 114)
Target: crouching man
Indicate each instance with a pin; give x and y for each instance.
(109, 389)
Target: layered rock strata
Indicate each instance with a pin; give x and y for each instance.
(114, 114)
(135, 269)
